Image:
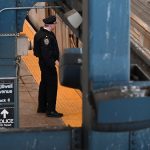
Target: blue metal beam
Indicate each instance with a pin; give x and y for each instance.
(109, 43)
(36, 139)
(106, 60)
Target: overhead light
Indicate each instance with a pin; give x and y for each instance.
(74, 18)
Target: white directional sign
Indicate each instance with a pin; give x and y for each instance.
(7, 117)
(4, 113)
(6, 91)
(7, 103)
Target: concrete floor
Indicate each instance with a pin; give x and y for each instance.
(28, 93)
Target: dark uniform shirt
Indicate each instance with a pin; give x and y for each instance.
(46, 49)
(46, 46)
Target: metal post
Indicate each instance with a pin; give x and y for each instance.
(106, 55)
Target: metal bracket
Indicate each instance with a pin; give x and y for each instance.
(9, 34)
(34, 7)
(77, 139)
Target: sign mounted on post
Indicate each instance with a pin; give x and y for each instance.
(7, 117)
(8, 103)
(6, 91)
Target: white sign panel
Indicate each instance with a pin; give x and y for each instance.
(6, 91)
(7, 117)
(7, 103)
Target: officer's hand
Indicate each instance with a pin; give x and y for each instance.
(57, 63)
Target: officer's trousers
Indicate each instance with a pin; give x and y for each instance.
(48, 88)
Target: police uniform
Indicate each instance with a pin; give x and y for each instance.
(46, 42)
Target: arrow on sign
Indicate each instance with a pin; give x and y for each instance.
(8, 99)
(4, 113)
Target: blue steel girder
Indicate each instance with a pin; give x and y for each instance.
(60, 138)
(109, 41)
(121, 122)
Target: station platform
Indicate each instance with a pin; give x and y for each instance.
(69, 101)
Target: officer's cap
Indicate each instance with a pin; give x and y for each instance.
(50, 20)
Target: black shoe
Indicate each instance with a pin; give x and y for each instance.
(54, 114)
(41, 110)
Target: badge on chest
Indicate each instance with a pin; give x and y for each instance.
(46, 40)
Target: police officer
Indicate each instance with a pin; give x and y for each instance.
(46, 49)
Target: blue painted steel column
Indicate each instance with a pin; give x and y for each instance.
(106, 60)
(109, 53)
